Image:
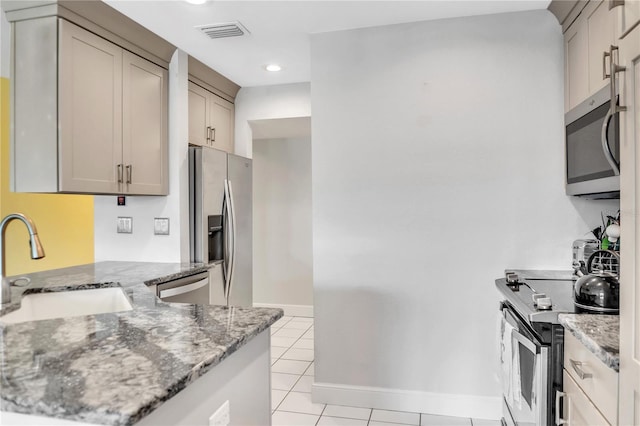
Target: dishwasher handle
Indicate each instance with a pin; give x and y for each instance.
(175, 291)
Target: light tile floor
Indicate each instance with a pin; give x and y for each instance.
(292, 373)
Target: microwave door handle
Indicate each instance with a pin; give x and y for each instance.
(606, 148)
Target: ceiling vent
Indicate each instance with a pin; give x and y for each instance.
(222, 30)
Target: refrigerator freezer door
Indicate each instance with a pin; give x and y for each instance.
(208, 169)
(240, 176)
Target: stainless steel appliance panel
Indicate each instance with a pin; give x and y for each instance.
(216, 285)
(208, 169)
(220, 195)
(239, 175)
(527, 368)
(592, 148)
(192, 289)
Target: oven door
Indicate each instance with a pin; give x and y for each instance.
(524, 362)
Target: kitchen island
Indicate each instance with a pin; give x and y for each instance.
(138, 366)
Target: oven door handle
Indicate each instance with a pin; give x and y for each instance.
(525, 342)
(183, 289)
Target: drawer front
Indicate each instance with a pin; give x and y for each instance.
(599, 382)
(578, 410)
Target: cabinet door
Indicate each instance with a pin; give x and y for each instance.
(578, 410)
(576, 46)
(222, 123)
(198, 115)
(629, 393)
(90, 111)
(629, 17)
(600, 27)
(144, 138)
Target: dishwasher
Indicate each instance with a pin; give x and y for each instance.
(192, 289)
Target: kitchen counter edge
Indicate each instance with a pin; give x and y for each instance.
(207, 335)
(600, 334)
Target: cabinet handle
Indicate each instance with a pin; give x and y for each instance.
(119, 167)
(213, 133)
(615, 69)
(208, 134)
(577, 367)
(559, 419)
(129, 173)
(605, 55)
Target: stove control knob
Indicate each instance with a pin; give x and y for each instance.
(544, 303)
(537, 296)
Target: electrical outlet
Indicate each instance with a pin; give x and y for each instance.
(125, 225)
(161, 226)
(221, 417)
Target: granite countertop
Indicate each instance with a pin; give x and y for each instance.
(116, 368)
(599, 333)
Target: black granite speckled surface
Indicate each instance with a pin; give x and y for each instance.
(116, 368)
(598, 333)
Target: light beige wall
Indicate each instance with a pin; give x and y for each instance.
(282, 253)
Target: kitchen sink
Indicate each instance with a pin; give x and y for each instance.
(64, 304)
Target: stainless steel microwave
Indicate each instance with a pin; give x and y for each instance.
(592, 148)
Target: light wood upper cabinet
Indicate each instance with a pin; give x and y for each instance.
(576, 47)
(585, 41)
(198, 115)
(222, 123)
(600, 24)
(103, 126)
(90, 82)
(211, 119)
(144, 137)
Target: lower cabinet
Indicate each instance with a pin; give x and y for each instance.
(578, 410)
(590, 395)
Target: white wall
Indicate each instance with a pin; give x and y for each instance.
(437, 162)
(267, 102)
(282, 246)
(142, 244)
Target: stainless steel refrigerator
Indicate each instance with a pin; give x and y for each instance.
(220, 204)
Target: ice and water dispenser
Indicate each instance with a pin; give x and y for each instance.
(214, 223)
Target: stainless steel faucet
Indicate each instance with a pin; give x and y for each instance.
(37, 252)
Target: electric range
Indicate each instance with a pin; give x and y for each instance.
(531, 343)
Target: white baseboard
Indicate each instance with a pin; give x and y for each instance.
(290, 310)
(477, 407)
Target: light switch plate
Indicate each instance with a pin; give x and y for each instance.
(161, 226)
(125, 225)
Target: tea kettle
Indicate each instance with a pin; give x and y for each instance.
(598, 291)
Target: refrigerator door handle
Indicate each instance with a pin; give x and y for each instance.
(228, 241)
(232, 239)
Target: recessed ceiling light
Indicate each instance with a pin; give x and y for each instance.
(196, 1)
(273, 67)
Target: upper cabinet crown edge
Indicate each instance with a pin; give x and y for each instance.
(100, 19)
